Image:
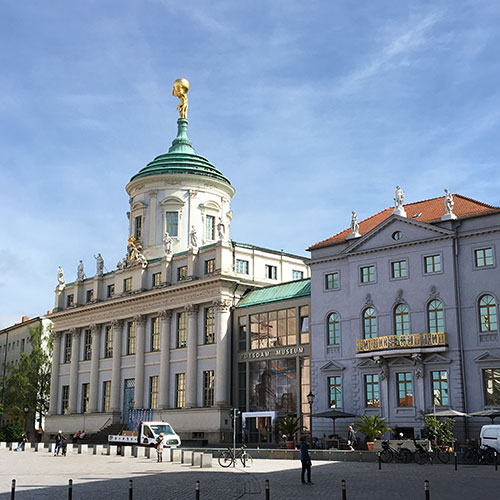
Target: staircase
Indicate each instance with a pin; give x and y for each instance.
(101, 437)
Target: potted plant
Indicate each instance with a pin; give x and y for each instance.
(289, 426)
(372, 427)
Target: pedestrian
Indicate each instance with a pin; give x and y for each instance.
(22, 443)
(351, 438)
(60, 439)
(305, 459)
(39, 434)
(160, 441)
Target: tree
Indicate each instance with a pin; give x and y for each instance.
(28, 384)
(439, 431)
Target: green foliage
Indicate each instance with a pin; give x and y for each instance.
(440, 431)
(289, 426)
(12, 432)
(372, 426)
(28, 384)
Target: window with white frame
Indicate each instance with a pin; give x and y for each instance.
(271, 272)
(297, 275)
(241, 266)
(210, 227)
(172, 223)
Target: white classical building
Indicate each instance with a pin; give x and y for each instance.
(155, 332)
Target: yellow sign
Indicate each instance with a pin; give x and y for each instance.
(403, 341)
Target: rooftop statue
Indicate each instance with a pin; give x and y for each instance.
(180, 90)
(99, 264)
(448, 202)
(399, 199)
(354, 223)
(60, 277)
(80, 272)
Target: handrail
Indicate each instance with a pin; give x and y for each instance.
(105, 424)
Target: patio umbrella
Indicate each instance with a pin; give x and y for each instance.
(334, 414)
(447, 413)
(486, 413)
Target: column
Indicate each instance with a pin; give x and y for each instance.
(152, 219)
(164, 381)
(54, 376)
(192, 355)
(94, 367)
(222, 368)
(73, 374)
(140, 334)
(117, 326)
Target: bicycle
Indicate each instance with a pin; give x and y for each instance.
(422, 456)
(480, 455)
(227, 457)
(388, 453)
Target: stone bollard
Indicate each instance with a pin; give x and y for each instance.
(139, 451)
(187, 457)
(11, 446)
(30, 447)
(39, 446)
(176, 455)
(197, 458)
(206, 461)
(69, 448)
(98, 449)
(83, 448)
(167, 454)
(149, 452)
(126, 451)
(112, 449)
(3, 444)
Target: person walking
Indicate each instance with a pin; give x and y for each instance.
(22, 443)
(60, 438)
(305, 459)
(351, 438)
(160, 441)
(39, 433)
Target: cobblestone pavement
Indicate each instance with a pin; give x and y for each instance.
(43, 476)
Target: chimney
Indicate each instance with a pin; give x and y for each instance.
(24, 319)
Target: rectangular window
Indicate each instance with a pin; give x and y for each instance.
(22, 345)
(242, 333)
(180, 390)
(405, 389)
(153, 391)
(85, 397)
(172, 223)
(138, 227)
(106, 395)
(181, 329)
(70, 300)
(440, 388)
(334, 392)
(483, 257)
(241, 266)
(208, 388)
(127, 285)
(372, 394)
(491, 387)
(399, 269)
(64, 399)
(182, 273)
(210, 235)
(297, 275)
(304, 324)
(332, 281)
(67, 347)
(367, 274)
(108, 342)
(155, 334)
(209, 325)
(111, 290)
(156, 279)
(432, 264)
(90, 295)
(87, 352)
(271, 272)
(131, 331)
(210, 266)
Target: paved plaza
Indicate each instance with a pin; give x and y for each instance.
(43, 476)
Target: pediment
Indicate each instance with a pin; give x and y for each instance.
(172, 200)
(209, 205)
(367, 363)
(401, 361)
(331, 366)
(436, 359)
(486, 357)
(139, 205)
(381, 236)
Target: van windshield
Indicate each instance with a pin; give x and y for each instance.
(159, 428)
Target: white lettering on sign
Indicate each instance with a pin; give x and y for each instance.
(285, 351)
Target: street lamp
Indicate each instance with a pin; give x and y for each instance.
(310, 400)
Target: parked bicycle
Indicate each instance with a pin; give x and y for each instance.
(480, 455)
(422, 455)
(227, 457)
(389, 453)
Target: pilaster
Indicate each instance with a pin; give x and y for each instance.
(54, 376)
(73, 374)
(94, 367)
(222, 368)
(117, 326)
(192, 258)
(192, 355)
(140, 330)
(164, 380)
(151, 223)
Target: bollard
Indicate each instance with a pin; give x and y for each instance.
(13, 490)
(197, 490)
(344, 490)
(379, 461)
(70, 489)
(130, 490)
(268, 491)
(427, 490)
(456, 461)
(496, 460)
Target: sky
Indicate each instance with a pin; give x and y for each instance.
(312, 109)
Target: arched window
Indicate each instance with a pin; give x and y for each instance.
(487, 314)
(435, 316)
(401, 320)
(333, 323)
(369, 323)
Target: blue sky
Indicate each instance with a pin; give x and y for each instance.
(312, 109)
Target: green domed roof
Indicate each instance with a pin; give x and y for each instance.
(181, 159)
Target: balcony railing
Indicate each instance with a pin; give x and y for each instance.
(408, 341)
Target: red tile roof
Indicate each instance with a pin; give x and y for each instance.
(431, 211)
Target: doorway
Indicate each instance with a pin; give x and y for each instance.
(128, 399)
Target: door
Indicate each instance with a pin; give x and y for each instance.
(128, 399)
(259, 430)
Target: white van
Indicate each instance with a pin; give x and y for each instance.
(490, 436)
(147, 434)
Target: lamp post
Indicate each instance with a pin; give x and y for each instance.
(310, 400)
(26, 410)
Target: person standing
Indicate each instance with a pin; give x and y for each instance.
(160, 441)
(305, 459)
(60, 438)
(351, 438)
(39, 433)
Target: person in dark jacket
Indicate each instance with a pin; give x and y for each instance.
(305, 459)
(351, 438)
(60, 444)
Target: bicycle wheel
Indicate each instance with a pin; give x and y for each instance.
(386, 456)
(421, 457)
(246, 459)
(443, 456)
(225, 459)
(489, 457)
(405, 455)
(470, 456)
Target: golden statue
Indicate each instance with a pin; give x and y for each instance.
(180, 90)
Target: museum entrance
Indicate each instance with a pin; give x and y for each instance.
(259, 428)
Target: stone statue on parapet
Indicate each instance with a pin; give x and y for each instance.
(80, 272)
(60, 278)
(399, 199)
(448, 202)
(180, 90)
(167, 244)
(354, 223)
(193, 239)
(99, 264)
